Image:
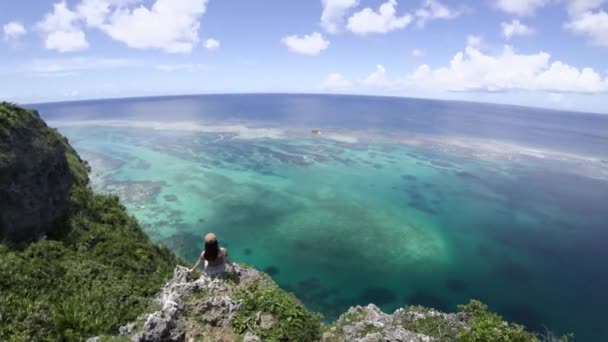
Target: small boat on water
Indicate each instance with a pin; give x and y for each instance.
(316, 131)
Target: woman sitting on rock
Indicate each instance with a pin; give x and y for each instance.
(215, 258)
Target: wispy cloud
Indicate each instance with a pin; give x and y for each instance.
(212, 44)
(515, 28)
(336, 82)
(61, 67)
(520, 8)
(434, 10)
(13, 30)
(180, 67)
(73, 66)
(417, 53)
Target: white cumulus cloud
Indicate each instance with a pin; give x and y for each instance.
(515, 28)
(95, 12)
(563, 78)
(433, 9)
(169, 25)
(310, 44)
(520, 7)
(332, 17)
(336, 82)
(473, 70)
(13, 30)
(592, 24)
(377, 78)
(576, 7)
(212, 44)
(384, 20)
(60, 30)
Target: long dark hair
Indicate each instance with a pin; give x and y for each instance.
(212, 249)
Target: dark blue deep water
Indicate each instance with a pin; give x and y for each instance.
(582, 132)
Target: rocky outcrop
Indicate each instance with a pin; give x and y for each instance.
(188, 307)
(37, 172)
(205, 308)
(415, 324)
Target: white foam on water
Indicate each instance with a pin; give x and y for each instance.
(240, 131)
(340, 137)
(491, 149)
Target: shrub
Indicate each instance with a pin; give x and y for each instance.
(293, 321)
(488, 326)
(102, 274)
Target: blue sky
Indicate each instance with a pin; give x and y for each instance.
(547, 53)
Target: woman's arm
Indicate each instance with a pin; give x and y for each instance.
(226, 258)
(198, 262)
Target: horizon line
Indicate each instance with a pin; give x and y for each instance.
(432, 99)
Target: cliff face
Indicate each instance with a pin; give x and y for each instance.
(37, 172)
(96, 269)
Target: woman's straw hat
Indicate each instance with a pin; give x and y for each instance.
(210, 237)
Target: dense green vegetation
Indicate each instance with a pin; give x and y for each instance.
(487, 326)
(434, 326)
(94, 273)
(293, 321)
(474, 324)
(17, 120)
(101, 275)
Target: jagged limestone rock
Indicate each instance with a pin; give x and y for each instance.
(162, 325)
(266, 320)
(249, 337)
(169, 324)
(370, 324)
(205, 309)
(216, 311)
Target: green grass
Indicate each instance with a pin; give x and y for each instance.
(103, 274)
(20, 123)
(354, 316)
(487, 326)
(10, 114)
(197, 296)
(434, 326)
(293, 321)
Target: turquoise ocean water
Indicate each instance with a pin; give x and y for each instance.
(376, 213)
